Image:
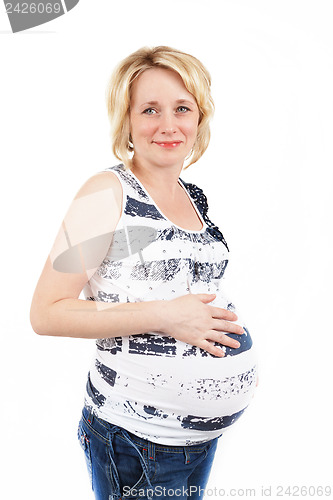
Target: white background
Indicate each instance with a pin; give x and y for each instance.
(268, 178)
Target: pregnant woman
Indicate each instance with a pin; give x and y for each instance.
(173, 370)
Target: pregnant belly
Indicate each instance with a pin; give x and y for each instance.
(197, 390)
(164, 382)
(203, 386)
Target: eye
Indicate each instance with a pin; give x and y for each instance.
(183, 109)
(149, 111)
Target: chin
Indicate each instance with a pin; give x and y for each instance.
(170, 158)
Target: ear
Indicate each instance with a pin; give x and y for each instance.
(130, 141)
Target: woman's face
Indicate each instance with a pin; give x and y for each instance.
(164, 118)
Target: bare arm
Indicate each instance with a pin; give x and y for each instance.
(79, 248)
(72, 317)
(81, 245)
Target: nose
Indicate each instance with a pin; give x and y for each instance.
(168, 124)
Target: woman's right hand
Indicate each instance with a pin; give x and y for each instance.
(191, 319)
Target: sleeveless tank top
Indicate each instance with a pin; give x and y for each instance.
(153, 385)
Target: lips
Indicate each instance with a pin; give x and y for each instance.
(168, 144)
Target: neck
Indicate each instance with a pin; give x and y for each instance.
(157, 178)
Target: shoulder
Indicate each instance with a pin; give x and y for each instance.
(99, 199)
(101, 181)
(89, 222)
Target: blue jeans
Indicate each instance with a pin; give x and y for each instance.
(124, 466)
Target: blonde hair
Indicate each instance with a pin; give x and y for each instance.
(195, 77)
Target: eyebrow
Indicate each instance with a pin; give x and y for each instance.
(178, 101)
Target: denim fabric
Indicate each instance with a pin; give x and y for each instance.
(124, 466)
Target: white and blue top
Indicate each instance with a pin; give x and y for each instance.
(151, 384)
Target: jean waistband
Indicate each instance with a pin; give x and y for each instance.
(104, 428)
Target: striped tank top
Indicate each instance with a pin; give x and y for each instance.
(157, 387)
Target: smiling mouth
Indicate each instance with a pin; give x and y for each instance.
(168, 144)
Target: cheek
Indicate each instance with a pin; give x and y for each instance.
(191, 128)
(141, 128)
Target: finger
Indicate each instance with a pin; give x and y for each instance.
(206, 297)
(219, 312)
(208, 346)
(226, 326)
(223, 339)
